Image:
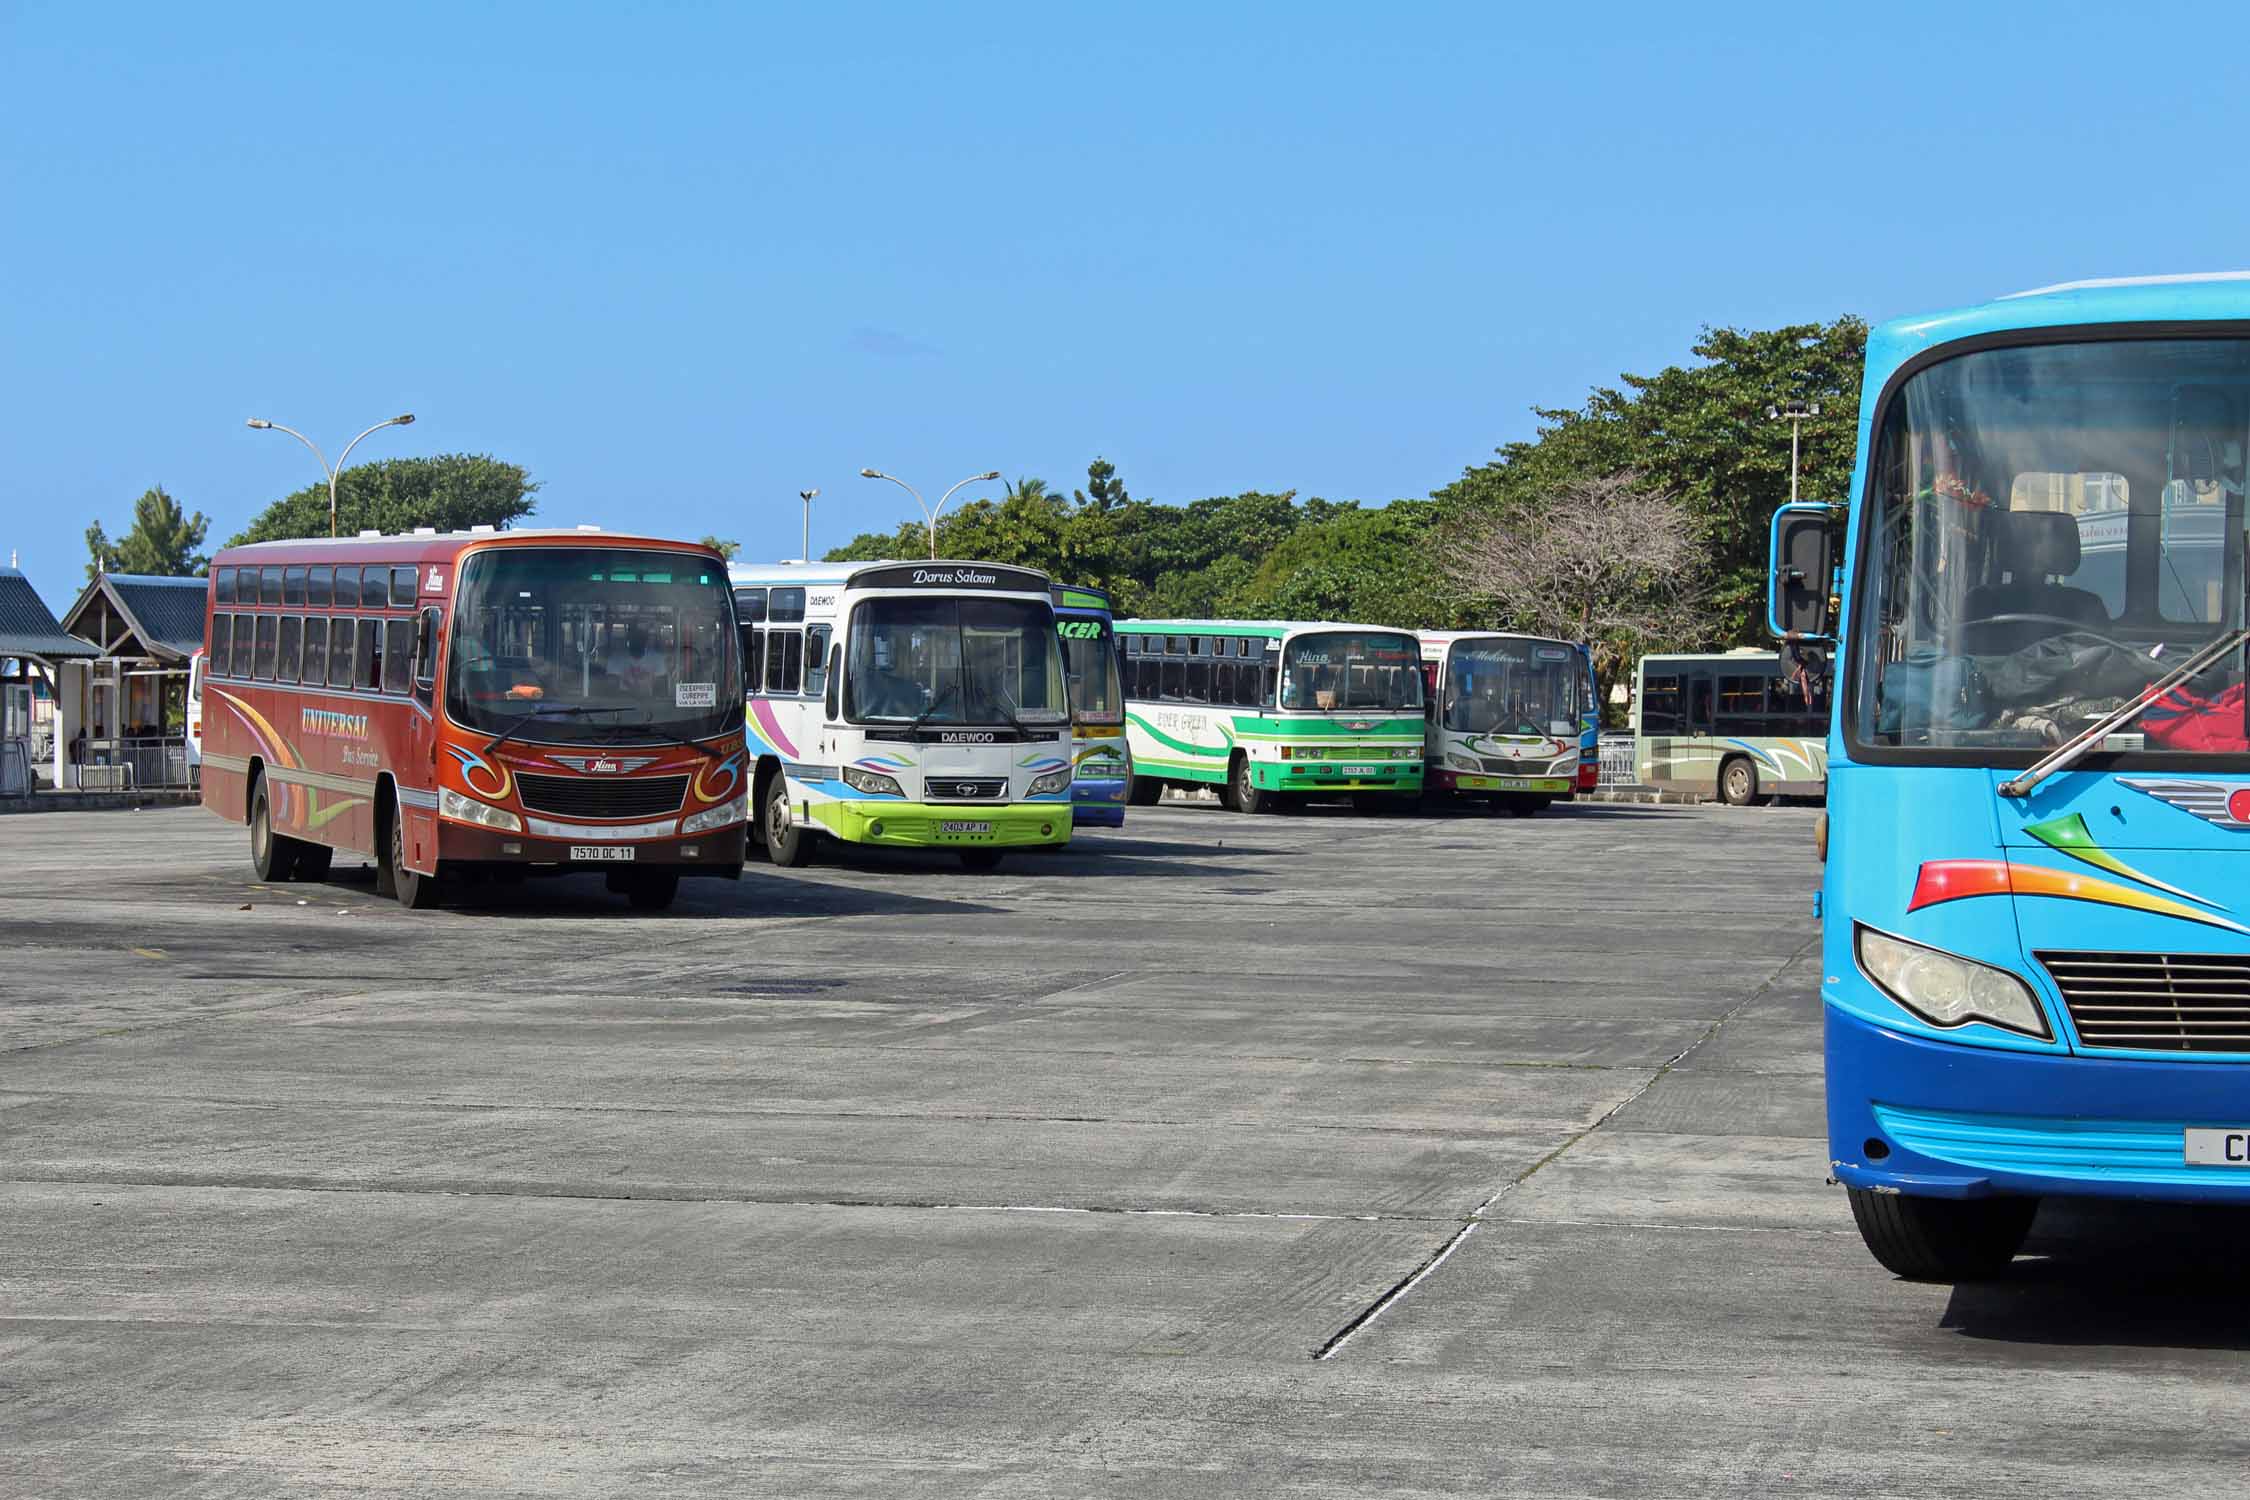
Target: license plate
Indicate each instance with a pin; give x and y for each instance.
(1526, 784)
(1363, 771)
(605, 852)
(964, 828)
(2218, 1148)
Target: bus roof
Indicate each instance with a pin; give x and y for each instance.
(2213, 296)
(1270, 629)
(429, 544)
(1007, 577)
(1449, 637)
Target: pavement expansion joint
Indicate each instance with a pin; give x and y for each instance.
(1480, 1214)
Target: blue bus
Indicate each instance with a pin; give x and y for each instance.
(1100, 759)
(2036, 946)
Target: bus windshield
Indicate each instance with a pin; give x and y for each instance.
(2052, 529)
(1090, 659)
(951, 659)
(593, 644)
(1515, 687)
(1331, 669)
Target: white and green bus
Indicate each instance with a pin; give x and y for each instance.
(914, 704)
(1512, 718)
(1729, 725)
(1273, 711)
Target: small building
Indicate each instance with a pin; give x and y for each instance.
(34, 651)
(132, 696)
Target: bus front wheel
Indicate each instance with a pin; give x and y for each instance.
(414, 892)
(980, 859)
(1248, 796)
(788, 842)
(1738, 783)
(1942, 1239)
(272, 855)
(652, 890)
(1147, 791)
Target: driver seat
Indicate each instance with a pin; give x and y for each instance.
(2034, 548)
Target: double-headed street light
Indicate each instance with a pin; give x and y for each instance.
(401, 420)
(928, 515)
(1795, 414)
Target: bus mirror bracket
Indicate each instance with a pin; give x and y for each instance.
(1801, 571)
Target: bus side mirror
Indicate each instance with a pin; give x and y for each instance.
(1801, 565)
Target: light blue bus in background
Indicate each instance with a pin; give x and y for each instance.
(2036, 897)
(1102, 764)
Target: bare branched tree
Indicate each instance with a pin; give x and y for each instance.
(1602, 560)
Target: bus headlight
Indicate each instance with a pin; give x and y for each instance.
(734, 811)
(451, 804)
(1461, 762)
(874, 783)
(1946, 990)
(1048, 785)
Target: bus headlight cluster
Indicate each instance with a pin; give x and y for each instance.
(874, 783)
(734, 810)
(1049, 784)
(1406, 752)
(451, 804)
(1947, 990)
(1461, 762)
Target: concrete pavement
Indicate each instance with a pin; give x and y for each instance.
(1311, 1155)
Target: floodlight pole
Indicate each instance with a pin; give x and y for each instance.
(1796, 412)
(403, 419)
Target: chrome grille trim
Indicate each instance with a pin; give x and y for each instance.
(2161, 1002)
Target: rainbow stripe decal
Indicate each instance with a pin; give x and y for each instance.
(1943, 880)
(2071, 836)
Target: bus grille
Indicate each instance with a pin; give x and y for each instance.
(964, 788)
(2166, 1002)
(602, 796)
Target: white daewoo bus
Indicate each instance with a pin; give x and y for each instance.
(915, 704)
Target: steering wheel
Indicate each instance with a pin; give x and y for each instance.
(2065, 627)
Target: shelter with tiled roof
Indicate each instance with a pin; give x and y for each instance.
(132, 698)
(34, 650)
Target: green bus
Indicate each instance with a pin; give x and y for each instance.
(1273, 711)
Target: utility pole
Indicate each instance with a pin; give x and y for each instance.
(1796, 412)
(804, 553)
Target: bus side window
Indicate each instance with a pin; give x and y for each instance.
(426, 648)
(1174, 688)
(287, 667)
(816, 662)
(1429, 691)
(1198, 685)
(316, 650)
(835, 676)
(340, 650)
(785, 659)
(398, 655)
(269, 643)
(1660, 705)
(1699, 704)
(222, 637)
(367, 663)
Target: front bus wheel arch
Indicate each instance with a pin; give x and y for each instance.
(1942, 1239)
(273, 856)
(392, 877)
(1246, 795)
(788, 842)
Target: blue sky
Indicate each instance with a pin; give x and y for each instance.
(682, 261)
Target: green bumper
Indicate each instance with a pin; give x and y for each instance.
(1328, 776)
(926, 825)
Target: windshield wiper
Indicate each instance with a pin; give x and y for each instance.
(2074, 749)
(557, 711)
(673, 738)
(937, 699)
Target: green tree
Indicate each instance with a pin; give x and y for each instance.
(725, 549)
(1104, 490)
(163, 541)
(451, 492)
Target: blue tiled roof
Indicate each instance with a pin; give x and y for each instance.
(169, 611)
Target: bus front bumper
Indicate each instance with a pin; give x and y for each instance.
(1971, 1122)
(718, 852)
(1336, 776)
(1479, 784)
(946, 825)
(1098, 804)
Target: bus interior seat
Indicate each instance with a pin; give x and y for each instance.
(2035, 548)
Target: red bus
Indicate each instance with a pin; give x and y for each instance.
(481, 704)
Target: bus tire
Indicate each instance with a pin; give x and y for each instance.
(313, 861)
(1738, 782)
(1942, 1239)
(414, 892)
(1517, 805)
(980, 859)
(1246, 795)
(652, 890)
(1146, 791)
(788, 842)
(273, 856)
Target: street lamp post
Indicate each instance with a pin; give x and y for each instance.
(807, 496)
(1796, 412)
(403, 419)
(929, 516)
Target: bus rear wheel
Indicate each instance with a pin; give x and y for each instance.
(788, 842)
(1942, 1239)
(275, 857)
(1247, 796)
(1738, 783)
